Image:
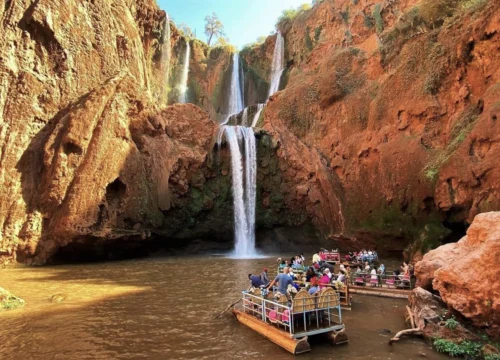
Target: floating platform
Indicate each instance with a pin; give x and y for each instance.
(380, 291)
(289, 324)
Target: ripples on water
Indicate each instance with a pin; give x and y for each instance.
(164, 309)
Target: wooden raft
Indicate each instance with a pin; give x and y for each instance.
(279, 337)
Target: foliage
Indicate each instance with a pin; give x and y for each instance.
(492, 357)
(435, 12)
(379, 21)
(317, 33)
(451, 323)
(345, 16)
(223, 42)
(459, 132)
(316, 2)
(213, 27)
(288, 15)
(9, 301)
(308, 40)
(186, 30)
(465, 348)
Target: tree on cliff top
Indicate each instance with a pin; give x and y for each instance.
(213, 27)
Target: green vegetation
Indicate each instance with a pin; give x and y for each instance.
(308, 40)
(345, 16)
(451, 323)
(465, 348)
(492, 357)
(317, 33)
(379, 21)
(288, 15)
(9, 301)
(459, 133)
(213, 27)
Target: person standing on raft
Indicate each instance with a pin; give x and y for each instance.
(283, 281)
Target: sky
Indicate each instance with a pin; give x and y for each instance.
(244, 20)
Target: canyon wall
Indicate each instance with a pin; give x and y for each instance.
(383, 135)
(388, 119)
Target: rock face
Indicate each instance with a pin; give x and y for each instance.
(385, 132)
(466, 273)
(398, 105)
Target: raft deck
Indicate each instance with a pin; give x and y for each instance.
(289, 324)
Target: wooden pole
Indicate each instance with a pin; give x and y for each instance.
(229, 307)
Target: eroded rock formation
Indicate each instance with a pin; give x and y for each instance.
(384, 134)
(465, 274)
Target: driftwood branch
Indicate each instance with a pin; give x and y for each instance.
(412, 332)
(229, 307)
(410, 314)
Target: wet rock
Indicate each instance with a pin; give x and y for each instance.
(58, 298)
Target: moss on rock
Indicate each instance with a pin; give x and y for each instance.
(9, 301)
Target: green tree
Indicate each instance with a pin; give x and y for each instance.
(213, 27)
(186, 30)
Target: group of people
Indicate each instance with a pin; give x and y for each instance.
(362, 256)
(404, 272)
(296, 262)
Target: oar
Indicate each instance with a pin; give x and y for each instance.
(229, 307)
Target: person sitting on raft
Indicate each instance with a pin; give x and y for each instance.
(325, 279)
(283, 281)
(255, 280)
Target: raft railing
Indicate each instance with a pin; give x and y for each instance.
(327, 311)
(382, 280)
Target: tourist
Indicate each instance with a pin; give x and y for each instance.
(255, 280)
(325, 279)
(381, 269)
(316, 258)
(341, 276)
(342, 267)
(359, 270)
(316, 265)
(314, 286)
(283, 281)
(310, 273)
(302, 258)
(367, 267)
(374, 275)
(263, 277)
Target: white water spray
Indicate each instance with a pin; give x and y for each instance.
(165, 57)
(256, 117)
(241, 141)
(185, 73)
(278, 65)
(235, 103)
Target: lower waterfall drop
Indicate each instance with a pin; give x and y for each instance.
(243, 150)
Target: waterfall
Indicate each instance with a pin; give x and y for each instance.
(165, 57)
(248, 247)
(256, 117)
(278, 64)
(235, 103)
(185, 72)
(243, 150)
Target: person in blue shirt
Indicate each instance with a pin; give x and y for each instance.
(283, 281)
(255, 280)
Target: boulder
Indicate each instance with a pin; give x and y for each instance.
(466, 273)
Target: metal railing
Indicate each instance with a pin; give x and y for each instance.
(297, 316)
(382, 280)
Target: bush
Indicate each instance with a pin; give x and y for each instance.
(289, 15)
(465, 348)
(451, 323)
(379, 21)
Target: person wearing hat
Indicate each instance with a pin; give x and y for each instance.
(263, 277)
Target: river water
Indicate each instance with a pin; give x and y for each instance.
(163, 308)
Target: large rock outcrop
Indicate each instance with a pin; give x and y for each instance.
(466, 273)
(399, 103)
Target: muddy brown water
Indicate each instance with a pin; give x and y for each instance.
(164, 308)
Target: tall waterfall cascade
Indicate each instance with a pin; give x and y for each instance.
(165, 57)
(278, 65)
(185, 74)
(235, 103)
(242, 145)
(243, 149)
